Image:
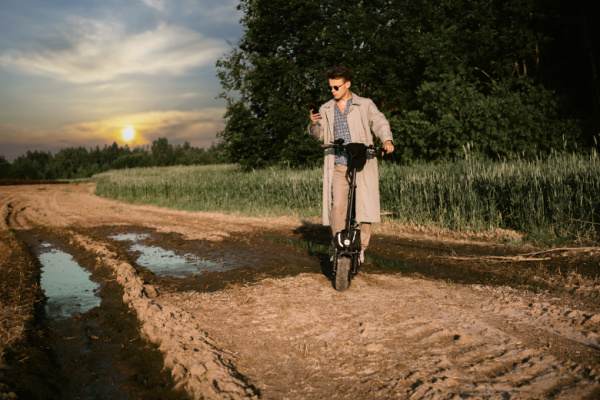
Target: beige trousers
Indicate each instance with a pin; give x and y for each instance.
(340, 190)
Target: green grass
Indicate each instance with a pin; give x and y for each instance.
(223, 188)
(557, 197)
(551, 199)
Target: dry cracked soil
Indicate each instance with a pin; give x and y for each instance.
(427, 317)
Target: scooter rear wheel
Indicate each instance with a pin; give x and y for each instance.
(342, 274)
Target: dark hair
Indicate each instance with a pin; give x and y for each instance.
(339, 73)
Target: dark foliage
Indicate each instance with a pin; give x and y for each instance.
(506, 77)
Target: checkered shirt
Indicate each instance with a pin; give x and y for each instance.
(342, 131)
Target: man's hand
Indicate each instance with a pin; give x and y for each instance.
(314, 118)
(388, 146)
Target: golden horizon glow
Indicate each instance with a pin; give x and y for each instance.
(128, 133)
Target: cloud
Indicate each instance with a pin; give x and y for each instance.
(156, 4)
(206, 11)
(99, 52)
(219, 11)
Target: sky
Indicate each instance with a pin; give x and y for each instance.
(78, 72)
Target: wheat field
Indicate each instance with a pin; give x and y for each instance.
(553, 197)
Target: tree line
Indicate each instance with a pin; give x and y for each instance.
(506, 77)
(79, 162)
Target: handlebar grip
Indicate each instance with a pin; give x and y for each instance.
(377, 149)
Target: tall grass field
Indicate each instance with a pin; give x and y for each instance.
(547, 199)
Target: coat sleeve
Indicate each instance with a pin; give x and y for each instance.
(315, 132)
(378, 123)
(318, 131)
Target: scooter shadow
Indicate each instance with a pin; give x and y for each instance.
(318, 240)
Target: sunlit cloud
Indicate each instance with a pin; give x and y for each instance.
(99, 51)
(198, 127)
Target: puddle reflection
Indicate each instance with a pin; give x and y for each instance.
(167, 263)
(66, 284)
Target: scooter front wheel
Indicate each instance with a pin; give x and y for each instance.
(342, 274)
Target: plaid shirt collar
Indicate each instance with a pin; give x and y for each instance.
(348, 105)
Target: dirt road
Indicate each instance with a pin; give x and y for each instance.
(427, 317)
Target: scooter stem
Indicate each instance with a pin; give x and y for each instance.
(351, 200)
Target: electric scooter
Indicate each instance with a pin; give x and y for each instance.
(347, 243)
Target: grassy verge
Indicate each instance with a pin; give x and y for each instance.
(549, 200)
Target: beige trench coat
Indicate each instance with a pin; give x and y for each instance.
(363, 118)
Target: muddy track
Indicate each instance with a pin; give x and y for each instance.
(426, 318)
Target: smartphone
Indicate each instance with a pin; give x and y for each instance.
(311, 106)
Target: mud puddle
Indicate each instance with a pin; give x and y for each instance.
(176, 263)
(87, 340)
(67, 286)
(168, 263)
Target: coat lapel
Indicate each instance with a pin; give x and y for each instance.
(329, 110)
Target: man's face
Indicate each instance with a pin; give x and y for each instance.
(342, 86)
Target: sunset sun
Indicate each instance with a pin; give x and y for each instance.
(128, 133)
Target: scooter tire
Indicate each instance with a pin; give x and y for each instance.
(342, 274)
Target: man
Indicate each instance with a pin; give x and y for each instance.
(352, 118)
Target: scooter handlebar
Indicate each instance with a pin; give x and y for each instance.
(340, 146)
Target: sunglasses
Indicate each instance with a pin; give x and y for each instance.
(336, 88)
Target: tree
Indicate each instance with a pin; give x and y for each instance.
(269, 70)
(32, 165)
(26, 168)
(162, 152)
(445, 73)
(133, 160)
(5, 167)
(67, 163)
